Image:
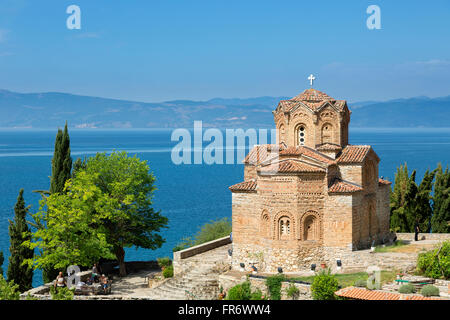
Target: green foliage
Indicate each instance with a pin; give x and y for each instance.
(106, 206)
(164, 262)
(324, 286)
(257, 295)
(440, 222)
(435, 263)
(429, 290)
(63, 293)
(396, 244)
(273, 284)
(20, 273)
(292, 291)
(361, 283)
(407, 288)
(168, 272)
(61, 162)
(8, 290)
(240, 292)
(208, 232)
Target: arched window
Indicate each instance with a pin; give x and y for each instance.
(311, 226)
(301, 135)
(327, 133)
(281, 131)
(284, 228)
(264, 227)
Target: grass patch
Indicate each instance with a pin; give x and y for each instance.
(349, 279)
(392, 248)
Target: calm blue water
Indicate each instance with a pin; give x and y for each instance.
(189, 195)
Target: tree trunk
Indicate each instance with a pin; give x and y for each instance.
(120, 255)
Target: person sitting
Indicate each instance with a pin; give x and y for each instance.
(60, 281)
(104, 283)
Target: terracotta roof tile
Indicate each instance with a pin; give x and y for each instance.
(312, 95)
(353, 154)
(258, 154)
(290, 166)
(313, 99)
(365, 294)
(340, 186)
(309, 152)
(245, 186)
(329, 147)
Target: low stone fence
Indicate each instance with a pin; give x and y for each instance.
(229, 280)
(424, 236)
(178, 256)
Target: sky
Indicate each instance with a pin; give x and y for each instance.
(154, 51)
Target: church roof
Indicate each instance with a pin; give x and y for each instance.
(245, 186)
(258, 154)
(353, 154)
(313, 99)
(365, 294)
(341, 186)
(290, 166)
(384, 182)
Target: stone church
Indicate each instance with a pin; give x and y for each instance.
(312, 198)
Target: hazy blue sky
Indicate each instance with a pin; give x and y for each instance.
(200, 49)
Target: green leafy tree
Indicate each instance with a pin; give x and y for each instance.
(72, 235)
(61, 293)
(8, 290)
(273, 285)
(128, 218)
(19, 232)
(440, 221)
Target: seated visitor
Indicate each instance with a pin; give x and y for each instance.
(104, 283)
(60, 281)
(94, 276)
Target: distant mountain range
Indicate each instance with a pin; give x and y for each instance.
(50, 110)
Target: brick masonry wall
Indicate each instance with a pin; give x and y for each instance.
(428, 236)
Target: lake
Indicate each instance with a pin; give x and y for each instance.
(189, 195)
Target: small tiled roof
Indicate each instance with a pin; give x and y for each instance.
(384, 182)
(309, 152)
(353, 154)
(365, 294)
(245, 186)
(290, 166)
(329, 147)
(258, 154)
(341, 186)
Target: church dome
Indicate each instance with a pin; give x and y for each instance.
(312, 95)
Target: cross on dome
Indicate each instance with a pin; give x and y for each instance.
(311, 79)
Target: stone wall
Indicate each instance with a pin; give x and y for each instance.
(227, 281)
(179, 258)
(428, 236)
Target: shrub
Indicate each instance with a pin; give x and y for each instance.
(240, 292)
(361, 283)
(168, 272)
(292, 291)
(61, 293)
(324, 286)
(8, 290)
(257, 295)
(429, 290)
(164, 262)
(435, 263)
(273, 284)
(407, 288)
(208, 232)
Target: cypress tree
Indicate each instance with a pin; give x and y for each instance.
(61, 162)
(18, 233)
(441, 202)
(423, 210)
(61, 172)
